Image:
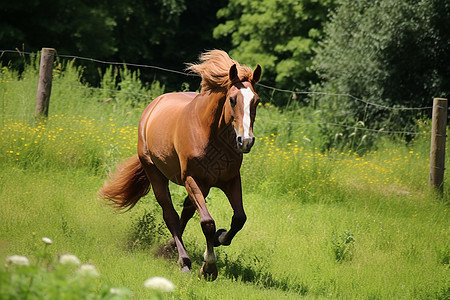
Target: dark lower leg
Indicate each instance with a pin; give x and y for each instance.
(172, 221)
(209, 268)
(197, 197)
(225, 237)
(187, 213)
(162, 194)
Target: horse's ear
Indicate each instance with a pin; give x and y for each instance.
(257, 74)
(233, 73)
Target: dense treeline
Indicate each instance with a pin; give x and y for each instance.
(139, 31)
(162, 32)
(391, 52)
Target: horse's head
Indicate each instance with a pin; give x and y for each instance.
(242, 101)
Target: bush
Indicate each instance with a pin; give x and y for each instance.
(388, 52)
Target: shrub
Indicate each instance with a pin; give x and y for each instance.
(388, 52)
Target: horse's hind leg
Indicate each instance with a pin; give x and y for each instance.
(160, 186)
(186, 215)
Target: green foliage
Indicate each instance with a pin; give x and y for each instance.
(124, 85)
(166, 33)
(389, 52)
(97, 29)
(299, 201)
(148, 230)
(343, 246)
(67, 139)
(75, 26)
(279, 35)
(143, 26)
(47, 278)
(444, 255)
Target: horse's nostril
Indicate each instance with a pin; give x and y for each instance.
(239, 140)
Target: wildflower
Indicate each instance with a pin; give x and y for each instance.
(88, 271)
(159, 283)
(120, 292)
(115, 291)
(47, 240)
(69, 259)
(17, 260)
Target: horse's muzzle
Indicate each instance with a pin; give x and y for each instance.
(245, 144)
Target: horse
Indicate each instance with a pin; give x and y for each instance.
(196, 140)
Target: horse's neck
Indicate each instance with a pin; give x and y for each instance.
(211, 111)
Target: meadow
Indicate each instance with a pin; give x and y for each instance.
(339, 224)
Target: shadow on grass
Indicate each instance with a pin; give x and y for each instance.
(254, 273)
(246, 269)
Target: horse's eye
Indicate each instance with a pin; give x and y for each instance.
(232, 101)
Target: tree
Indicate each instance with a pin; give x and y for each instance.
(72, 26)
(391, 52)
(165, 33)
(182, 36)
(278, 34)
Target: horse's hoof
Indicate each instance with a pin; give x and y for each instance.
(209, 272)
(218, 233)
(185, 264)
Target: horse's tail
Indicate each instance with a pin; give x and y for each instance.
(127, 185)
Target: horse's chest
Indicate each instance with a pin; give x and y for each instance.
(218, 164)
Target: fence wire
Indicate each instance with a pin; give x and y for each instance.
(145, 66)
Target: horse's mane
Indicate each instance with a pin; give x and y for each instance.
(214, 68)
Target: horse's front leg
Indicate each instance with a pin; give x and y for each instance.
(197, 196)
(233, 190)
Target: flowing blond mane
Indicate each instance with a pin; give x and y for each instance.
(214, 68)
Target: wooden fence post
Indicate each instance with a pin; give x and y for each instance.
(438, 136)
(45, 82)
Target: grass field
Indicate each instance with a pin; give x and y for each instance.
(333, 224)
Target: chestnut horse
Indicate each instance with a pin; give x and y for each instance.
(196, 140)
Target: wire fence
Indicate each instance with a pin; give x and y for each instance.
(265, 86)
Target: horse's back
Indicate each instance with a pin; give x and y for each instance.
(166, 106)
(158, 127)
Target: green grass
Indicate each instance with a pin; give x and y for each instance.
(332, 224)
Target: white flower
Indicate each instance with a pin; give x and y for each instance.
(159, 283)
(88, 270)
(115, 291)
(69, 259)
(47, 240)
(17, 260)
(120, 291)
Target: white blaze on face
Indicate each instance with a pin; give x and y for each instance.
(248, 96)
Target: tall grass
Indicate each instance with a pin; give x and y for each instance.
(321, 224)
